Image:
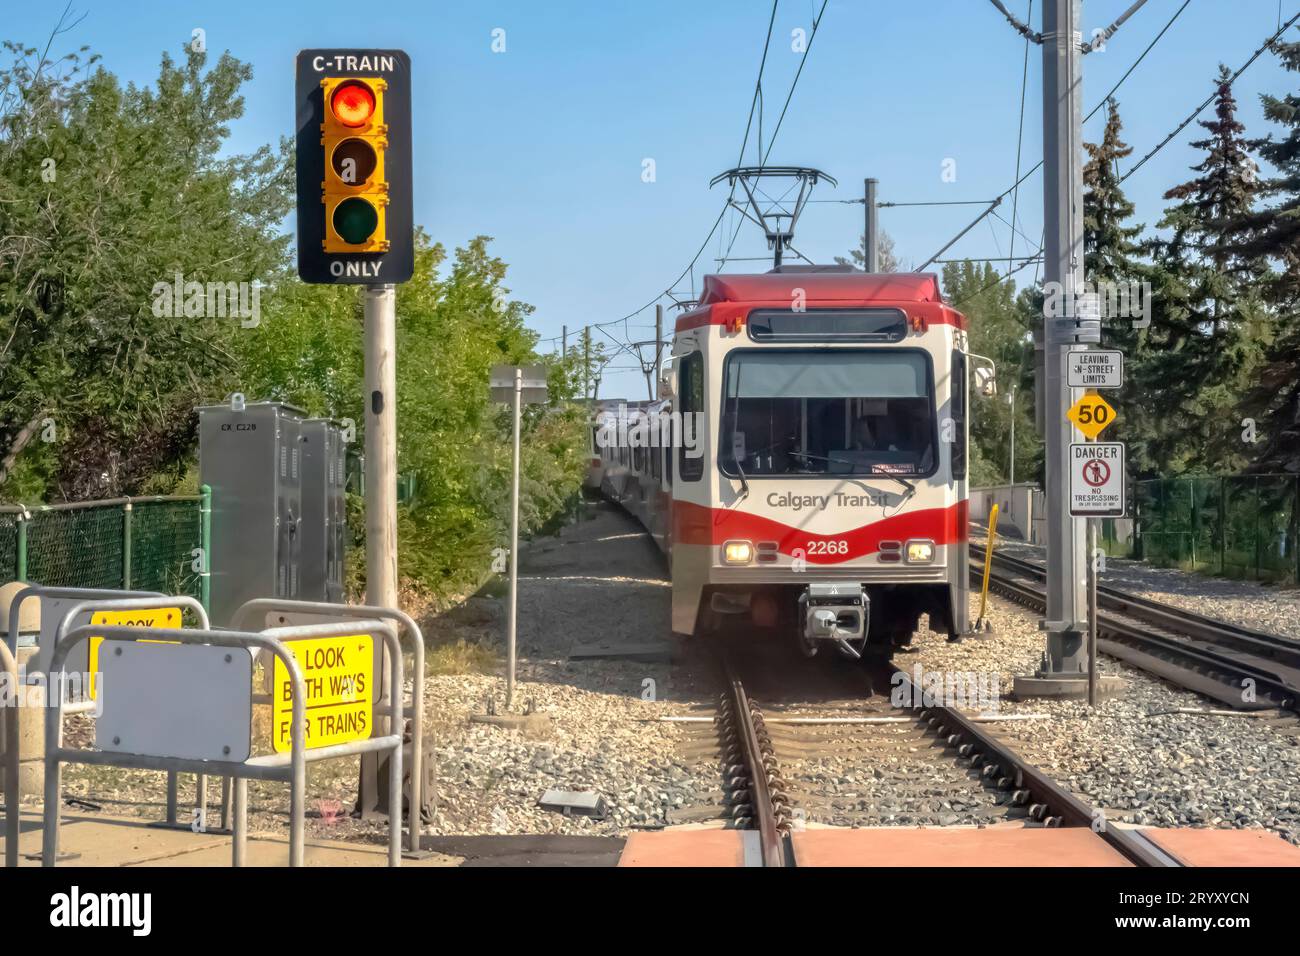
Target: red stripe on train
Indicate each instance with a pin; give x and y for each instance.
(697, 524)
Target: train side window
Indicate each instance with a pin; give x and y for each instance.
(653, 453)
(667, 452)
(959, 415)
(690, 392)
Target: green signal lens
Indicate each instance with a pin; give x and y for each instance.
(355, 220)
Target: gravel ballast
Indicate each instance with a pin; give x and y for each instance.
(594, 726)
(1133, 758)
(1264, 607)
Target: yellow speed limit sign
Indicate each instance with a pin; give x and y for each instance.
(1091, 414)
(338, 677)
(166, 617)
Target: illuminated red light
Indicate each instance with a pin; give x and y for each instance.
(353, 104)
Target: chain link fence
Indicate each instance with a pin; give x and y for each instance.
(1243, 526)
(146, 544)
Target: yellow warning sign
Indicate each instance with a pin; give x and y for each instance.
(165, 617)
(1091, 414)
(337, 675)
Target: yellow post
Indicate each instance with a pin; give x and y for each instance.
(980, 623)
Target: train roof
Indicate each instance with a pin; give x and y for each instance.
(892, 287)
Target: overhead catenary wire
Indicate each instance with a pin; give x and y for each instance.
(722, 261)
(1209, 99)
(1039, 165)
(1020, 138)
(754, 100)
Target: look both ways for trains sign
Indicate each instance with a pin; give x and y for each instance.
(1097, 479)
(338, 677)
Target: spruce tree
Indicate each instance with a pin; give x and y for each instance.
(1272, 233)
(1206, 342)
(1112, 256)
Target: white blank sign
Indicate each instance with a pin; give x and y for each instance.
(189, 701)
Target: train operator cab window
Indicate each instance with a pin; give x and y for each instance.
(690, 399)
(841, 412)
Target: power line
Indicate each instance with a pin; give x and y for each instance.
(753, 105)
(1036, 257)
(1197, 112)
(1104, 99)
(802, 60)
(939, 202)
(1020, 134)
(1039, 165)
(780, 119)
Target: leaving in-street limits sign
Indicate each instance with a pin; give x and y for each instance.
(1091, 414)
(1097, 479)
(1100, 369)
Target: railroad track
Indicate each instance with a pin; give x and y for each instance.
(1215, 658)
(762, 799)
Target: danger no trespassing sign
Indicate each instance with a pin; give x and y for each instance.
(1097, 479)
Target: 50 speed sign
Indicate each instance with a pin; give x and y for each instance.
(1091, 414)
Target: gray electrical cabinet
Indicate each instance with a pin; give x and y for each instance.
(323, 531)
(250, 454)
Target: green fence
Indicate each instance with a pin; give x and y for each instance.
(144, 544)
(1241, 526)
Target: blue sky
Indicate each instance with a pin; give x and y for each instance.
(542, 146)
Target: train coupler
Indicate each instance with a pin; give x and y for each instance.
(836, 611)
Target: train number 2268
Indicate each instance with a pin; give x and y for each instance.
(827, 547)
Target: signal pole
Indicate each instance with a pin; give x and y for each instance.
(870, 231)
(381, 494)
(659, 345)
(1065, 660)
(381, 445)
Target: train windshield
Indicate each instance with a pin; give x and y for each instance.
(842, 412)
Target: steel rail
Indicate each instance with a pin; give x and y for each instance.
(1047, 801)
(1182, 620)
(771, 844)
(1183, 663)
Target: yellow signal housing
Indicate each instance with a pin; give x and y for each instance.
(355, 190)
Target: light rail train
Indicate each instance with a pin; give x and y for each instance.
(806, 464)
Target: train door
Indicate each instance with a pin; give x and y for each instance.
(692, 529)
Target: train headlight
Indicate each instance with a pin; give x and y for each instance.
(737, 552)
(920, 552)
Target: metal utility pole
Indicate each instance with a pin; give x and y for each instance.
(564, 341)
(381, 445)
(514, 545)
(586, 361)
(1065, 660)
(1013, 434)
(659, 344)
(870, 233)
(380, 492)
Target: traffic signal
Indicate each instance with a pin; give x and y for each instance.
(355, 138)
(354, 167)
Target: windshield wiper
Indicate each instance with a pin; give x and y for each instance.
(735, 420)
(911, 488)
(744, 485)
